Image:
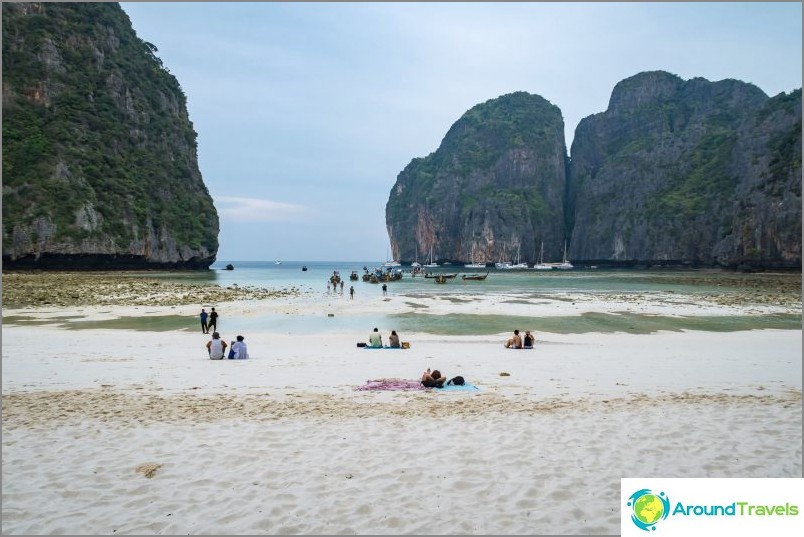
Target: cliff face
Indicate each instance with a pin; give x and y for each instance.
(99, 156)
(495, 186)
(690, 172)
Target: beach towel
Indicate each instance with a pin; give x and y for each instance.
(460, 388)
(390, 385)
(381, 348)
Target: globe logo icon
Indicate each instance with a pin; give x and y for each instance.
(648, 508)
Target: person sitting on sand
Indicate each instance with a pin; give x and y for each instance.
(375, 339)
(240, 349)
(529, 339)
(515, 342)
(216, 347)
(434, 379)
(393, 340)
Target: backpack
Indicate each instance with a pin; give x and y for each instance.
(457, 381)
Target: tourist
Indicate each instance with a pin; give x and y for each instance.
(213, 320)
(352, 292)
(204, 321)
(384, 290)
(529, 339)
(393, 340)
(434, 379)
(216, 347)
(240, 349)
(514, 342)
(375, 339)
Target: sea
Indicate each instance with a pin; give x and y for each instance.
(517, 286)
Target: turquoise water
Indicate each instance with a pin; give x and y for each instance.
(537, 284)
(518, 287)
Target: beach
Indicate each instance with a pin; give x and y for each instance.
(116, 426)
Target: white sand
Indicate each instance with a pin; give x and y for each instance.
(283, 444)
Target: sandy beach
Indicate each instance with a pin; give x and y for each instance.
(124, 431)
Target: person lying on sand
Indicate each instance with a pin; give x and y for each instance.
(434, 379)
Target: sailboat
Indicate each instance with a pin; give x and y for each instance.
(565, 265)
(518, 264)
(473, 264)
(540, 265)
(502, 264)
(430, 261)
(389, 263)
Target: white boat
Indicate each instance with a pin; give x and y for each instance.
(474, 264)
(565, 265)
(430, 261)
(390, 263)
(502, 265)
(277, 262)
(541, 265)
(518, 264)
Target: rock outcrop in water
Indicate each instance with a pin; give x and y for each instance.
(674, 172)
(688, 172)
(495, 186)
(99, 155)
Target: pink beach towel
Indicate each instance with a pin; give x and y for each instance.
(390, 385)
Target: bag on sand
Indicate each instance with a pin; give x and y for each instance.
(405, 344)
(456, 381)
(361, 344)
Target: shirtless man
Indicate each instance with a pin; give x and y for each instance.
(515, 342)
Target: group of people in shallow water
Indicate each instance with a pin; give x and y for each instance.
(516, 341)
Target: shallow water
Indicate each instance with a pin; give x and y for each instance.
(517, 288)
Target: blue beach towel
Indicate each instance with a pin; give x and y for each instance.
(454, 388)
(381, 348)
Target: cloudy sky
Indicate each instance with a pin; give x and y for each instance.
(307, 112)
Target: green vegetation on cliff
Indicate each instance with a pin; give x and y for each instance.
(96, 139)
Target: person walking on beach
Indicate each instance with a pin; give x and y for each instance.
(375, 339)
(213, 321)
(216, 347)
(352, 292)
(341, 286)
(204, 321)
(384, 290)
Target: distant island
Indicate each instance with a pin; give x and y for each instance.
(674, 173)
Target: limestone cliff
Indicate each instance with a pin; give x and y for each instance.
(99, 156)
(688, 172)
(495, 186)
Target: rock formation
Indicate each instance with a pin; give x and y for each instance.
(495, 186)
(99, 155)
(688, 172)
(674, 172)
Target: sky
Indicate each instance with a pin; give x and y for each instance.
(307, 112)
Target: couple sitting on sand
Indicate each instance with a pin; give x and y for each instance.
(217, 348)
(375, 340)
(517, 343)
